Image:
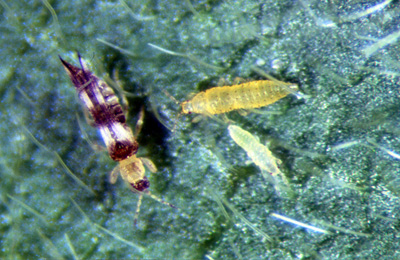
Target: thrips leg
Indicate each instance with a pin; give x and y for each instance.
(139, 123)
(114, 175)
(149, 164)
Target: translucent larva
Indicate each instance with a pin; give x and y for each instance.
(263, 158)
(257, 152)
(248, 95)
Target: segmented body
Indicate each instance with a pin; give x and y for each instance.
(258, 153)
(248, 95)
(106, 111)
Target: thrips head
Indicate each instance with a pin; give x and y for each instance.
(187, 107)
(141, 185)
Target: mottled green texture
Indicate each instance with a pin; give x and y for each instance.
(350, 97)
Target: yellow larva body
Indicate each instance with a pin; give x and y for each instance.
(258, 153)
(248, 95)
